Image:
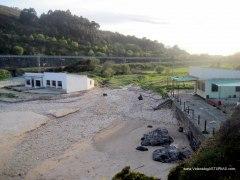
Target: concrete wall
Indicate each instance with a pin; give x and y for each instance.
(34, 77)
(55, 77)
(193, 133)
(78, 83)
(211, 73)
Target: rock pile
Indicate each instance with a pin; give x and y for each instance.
(157, 137)
(168, 154)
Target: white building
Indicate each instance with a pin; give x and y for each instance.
(67, 82)
(216, 83)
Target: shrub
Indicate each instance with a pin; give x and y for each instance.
(126, 69)
(121, 69)
(108, 72)
(127, 174)
(18, 50)
(81, 66)
(4, 74)
(91, 52)
(159, 69)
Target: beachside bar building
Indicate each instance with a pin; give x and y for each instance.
(213, 83)
(63, 81)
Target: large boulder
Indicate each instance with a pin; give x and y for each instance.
(157, 137)
(168, 154)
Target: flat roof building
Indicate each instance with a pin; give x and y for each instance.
(62, 81)
(216, 83)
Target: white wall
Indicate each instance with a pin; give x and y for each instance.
(211, 73)
(78, 83)
(34, 76)
(55, 77)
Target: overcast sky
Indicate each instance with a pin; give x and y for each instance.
(198, 26)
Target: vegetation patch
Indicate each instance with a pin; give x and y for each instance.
(127, 174)
(7, 95)
(4, 74)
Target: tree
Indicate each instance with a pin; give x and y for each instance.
(40, 37)
(129, 53)
(18, 50)
(28, 16)
(91, 52)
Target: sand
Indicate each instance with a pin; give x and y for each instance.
(94, 142)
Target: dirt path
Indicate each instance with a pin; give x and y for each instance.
(94, 142)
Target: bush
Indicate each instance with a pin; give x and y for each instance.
(127, 174)
(121, 69)
(4, 74)
(81, 66)
(159, 69)
(18, 50)
(108, 72)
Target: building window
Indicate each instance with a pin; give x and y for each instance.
(38, 83)
(54, 83)
(214, 88)
(90, 82)
(237, 88)
(48, 82)
(28, 82)
(59, 84)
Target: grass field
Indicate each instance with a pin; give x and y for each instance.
(160, 83)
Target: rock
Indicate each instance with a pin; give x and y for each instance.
(149, 126)
(169, 154)
(141, 148)
(166, 154)
(157, 137)
(180, 129)
(104, 94)
(140, 97)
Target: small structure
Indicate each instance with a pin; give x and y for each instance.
(213, 83)
(62, 81)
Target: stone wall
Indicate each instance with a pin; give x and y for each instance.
(193, 133)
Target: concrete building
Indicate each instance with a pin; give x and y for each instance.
(62, 81)
(216, 83)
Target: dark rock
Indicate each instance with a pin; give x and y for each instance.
(104, 94)
(140, 97)
(166, 154)
(141, 148)
(180, 129)
(157, 137)
(169, 154)
(149, 126)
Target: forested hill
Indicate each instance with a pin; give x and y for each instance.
(62, 33)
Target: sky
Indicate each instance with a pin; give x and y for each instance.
(197, 26)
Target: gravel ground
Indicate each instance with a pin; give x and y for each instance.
(96, 112)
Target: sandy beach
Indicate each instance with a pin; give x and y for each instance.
(86, 137)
